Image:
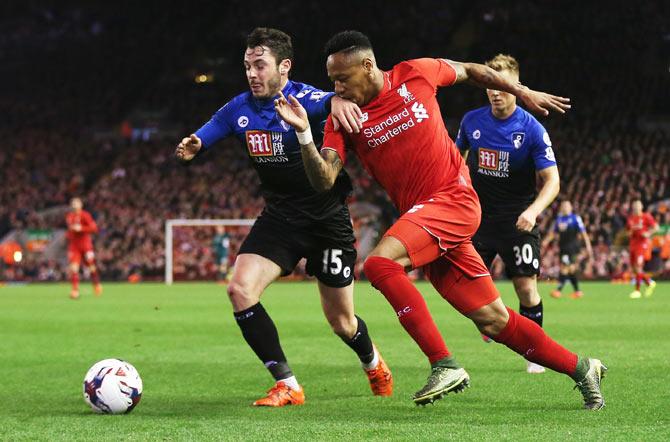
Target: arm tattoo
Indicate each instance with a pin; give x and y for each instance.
(461, 74)
(321, 168)
(485, 77)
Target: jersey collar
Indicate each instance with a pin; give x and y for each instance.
(385, 87)
(517, 109)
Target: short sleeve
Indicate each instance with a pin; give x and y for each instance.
(218, 127)
(461, 138)
(437, 71)
(315, 102)
(334, 140)
(580, 223)
(542, 151)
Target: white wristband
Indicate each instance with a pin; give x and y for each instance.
(305, 137)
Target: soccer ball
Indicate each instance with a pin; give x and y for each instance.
(112, 386)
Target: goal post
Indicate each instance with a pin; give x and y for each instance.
(170, 224)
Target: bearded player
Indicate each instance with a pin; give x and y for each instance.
(641, 227)
(80, 226)
(405, 146)
(297, 221)
(505, 148)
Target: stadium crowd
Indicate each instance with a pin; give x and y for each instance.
(63, 136)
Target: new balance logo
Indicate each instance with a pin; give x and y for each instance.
(405, 94)
(420, 112)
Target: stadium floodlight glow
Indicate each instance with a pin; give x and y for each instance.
(18, 256)
(169, 224)
(204, 78)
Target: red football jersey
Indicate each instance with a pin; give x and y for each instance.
(637, 225)
(404, 144)
(81, 239)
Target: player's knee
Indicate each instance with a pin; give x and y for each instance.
(526, 290)
(343, 326)
(493, 326)
(528, 296)
(370, 267)
(241, 296)
(378, 268)
(490, 320)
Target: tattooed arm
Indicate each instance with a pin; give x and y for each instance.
(484, 77)
(321, 168)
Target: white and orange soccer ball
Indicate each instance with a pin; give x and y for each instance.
(112, 386)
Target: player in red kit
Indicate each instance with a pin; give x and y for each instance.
(404, 145)
(80, 226)
(641, 226)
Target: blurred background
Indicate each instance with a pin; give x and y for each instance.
(94, 97)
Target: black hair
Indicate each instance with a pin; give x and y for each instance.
(277, 41)
(347, 41)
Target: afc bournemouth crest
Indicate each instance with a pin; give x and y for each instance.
(517, 139)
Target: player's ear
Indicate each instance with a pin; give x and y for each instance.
(368, 65)
(285, 66)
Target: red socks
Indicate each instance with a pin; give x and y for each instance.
(390, 278)
(529, 340)
(95, 276)
(520, 334)
(74, 277)
(638, 280)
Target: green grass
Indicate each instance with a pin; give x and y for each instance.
(200, 377)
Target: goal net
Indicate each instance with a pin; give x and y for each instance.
(190, 249)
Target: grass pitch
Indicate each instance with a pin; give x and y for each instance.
(200, 377)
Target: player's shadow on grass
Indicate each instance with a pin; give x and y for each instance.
(402, 409)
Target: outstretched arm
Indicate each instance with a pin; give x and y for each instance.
(322, 168)
(188, 148)
(484, 77)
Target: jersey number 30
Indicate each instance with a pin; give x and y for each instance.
(524, 254)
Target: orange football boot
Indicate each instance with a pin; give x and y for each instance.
(74, 294)
(281, 395)
(97, 289)
(380, 378)
(555, 294)
(578, 294)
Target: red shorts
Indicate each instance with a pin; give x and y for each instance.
(436, 234)
(640, 252)
(442, 226)
(76, 255)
